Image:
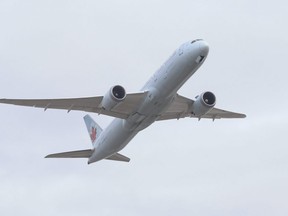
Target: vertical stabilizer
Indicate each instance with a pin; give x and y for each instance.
(93, 128)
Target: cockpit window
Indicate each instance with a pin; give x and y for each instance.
(200, 59)
(195, 41)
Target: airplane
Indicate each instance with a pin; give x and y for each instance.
(157, 100)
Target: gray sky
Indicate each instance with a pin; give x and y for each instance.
(62, 48)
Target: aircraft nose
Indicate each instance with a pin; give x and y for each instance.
(203, 47)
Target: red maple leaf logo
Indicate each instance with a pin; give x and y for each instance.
(93, 134)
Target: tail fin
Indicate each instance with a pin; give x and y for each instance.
(93, 128)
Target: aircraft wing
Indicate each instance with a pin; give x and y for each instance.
(179, 108)
(88, 104)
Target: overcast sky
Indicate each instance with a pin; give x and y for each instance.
(57, 48)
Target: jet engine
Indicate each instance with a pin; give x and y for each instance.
(115, 95)
(203, 104)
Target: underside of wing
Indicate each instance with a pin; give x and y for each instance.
(216, 113)
(89, 104)
(181, 108)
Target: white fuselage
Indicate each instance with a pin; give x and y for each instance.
(161, 89)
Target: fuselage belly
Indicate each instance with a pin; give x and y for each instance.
(161, 88)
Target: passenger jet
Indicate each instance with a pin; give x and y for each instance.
(157, 100)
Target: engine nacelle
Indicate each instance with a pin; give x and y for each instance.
(115, 95)
(203, 104)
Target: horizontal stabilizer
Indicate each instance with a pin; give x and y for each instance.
(118, 157)
(72, 154)
(87, 154)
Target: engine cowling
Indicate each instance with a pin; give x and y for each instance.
(115, 95)
(203, 104)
